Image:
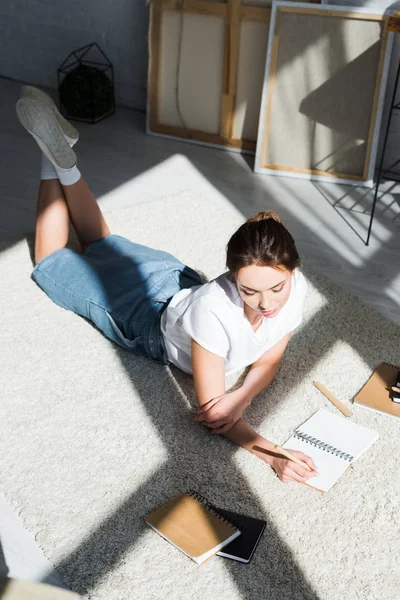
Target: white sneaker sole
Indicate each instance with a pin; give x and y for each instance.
(28, 91)
(40, 122)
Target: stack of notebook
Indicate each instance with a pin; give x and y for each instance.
(200, 530)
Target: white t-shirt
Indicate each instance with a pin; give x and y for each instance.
(212, 314)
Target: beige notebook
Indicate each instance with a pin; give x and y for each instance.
(190, 523)
(376, 392)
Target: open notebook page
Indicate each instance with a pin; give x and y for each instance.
(333, 443)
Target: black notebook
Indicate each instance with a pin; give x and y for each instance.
(243, 547)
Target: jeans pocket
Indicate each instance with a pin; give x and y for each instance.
(136, 345)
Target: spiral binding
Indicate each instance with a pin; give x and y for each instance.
(212, 509)
(309, 439)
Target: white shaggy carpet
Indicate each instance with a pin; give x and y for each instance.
(93, 438)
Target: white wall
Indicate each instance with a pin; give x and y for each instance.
(37, 35)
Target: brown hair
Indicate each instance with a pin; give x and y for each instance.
(262, 240)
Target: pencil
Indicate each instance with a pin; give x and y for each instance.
(346, 411)
(291, 457)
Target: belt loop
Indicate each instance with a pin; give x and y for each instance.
(153, 341)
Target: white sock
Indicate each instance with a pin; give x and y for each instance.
(48, 171)
(68, 176)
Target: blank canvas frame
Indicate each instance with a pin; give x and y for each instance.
(323, 93)
(207, 61)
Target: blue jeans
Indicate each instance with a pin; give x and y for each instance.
(120, 286)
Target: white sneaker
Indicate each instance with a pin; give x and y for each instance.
(71, 134)
(41, 123)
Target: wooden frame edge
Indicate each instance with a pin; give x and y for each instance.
(374, 111)
(231, 49)
(154, 62)
(314, 172)
(254, 13)
(328, 12)
(201, 7)
(201, 136)
(271, 83)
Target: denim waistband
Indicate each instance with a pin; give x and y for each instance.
(153, 339)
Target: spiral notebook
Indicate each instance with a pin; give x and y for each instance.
(333, 442)
(193, 526)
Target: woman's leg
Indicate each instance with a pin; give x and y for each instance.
(85, 213)
(52, 219)
(59, 161)
(57, 204)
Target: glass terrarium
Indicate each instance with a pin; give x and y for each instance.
(86, 85)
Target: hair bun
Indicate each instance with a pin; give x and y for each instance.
(264, 216)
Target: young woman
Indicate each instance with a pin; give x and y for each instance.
(150, 303)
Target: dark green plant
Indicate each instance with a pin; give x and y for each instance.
(86, 93)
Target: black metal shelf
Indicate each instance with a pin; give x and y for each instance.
(386, 174)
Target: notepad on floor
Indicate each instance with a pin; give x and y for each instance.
(333, 443)
(376, 393)
(192, 525)
(242, 549)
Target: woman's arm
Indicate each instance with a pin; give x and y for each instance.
(262, 372)
(209, 382)
(208, 374)
(218, 410)
(221, 412)
(244, 435)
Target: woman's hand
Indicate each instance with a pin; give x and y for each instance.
(287, 470)
(221, 413)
